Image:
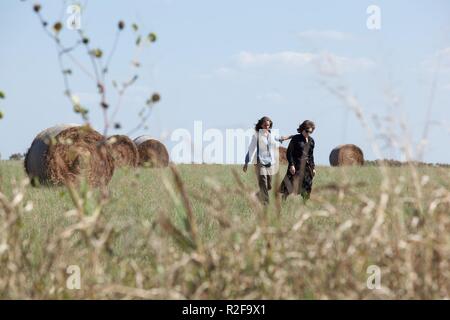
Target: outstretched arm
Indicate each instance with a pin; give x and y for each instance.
(283, 138)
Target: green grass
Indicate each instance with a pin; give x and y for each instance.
(138, 195)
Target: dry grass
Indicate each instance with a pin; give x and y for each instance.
(196, 231)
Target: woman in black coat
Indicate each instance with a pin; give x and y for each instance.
(301, 167)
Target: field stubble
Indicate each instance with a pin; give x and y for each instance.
(197, 231)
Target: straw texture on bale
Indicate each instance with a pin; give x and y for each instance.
(152, 152)
(124, 151)
(346, 155)
(282, 155)
(60, 154)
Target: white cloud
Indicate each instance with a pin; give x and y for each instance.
(446, 87)
(325, 62)
(325, 35)
(271, 97)
(288, 58)
(438, 62)
(331, 64)
(223, 71)
(444, 52)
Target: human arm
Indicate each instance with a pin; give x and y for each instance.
(311, 157)
(250, 153)
(290, 158)
(283, 138)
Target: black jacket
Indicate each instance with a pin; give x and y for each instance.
(299, 149)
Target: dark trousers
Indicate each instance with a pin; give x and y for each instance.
(265, 183)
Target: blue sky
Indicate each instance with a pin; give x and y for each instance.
(227, 63)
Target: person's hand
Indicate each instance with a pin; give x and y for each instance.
(314, 172)
(245, 168)
(292, 170)
(284, 138)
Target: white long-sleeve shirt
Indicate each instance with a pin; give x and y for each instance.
(267, 148)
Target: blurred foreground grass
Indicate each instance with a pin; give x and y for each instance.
(289, 250)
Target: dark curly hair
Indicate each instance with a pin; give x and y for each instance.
(258, 125)
(306, 125)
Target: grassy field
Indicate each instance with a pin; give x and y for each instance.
(151, 235)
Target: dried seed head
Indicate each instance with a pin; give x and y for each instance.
(156, 97)
(57, 27)
(152, 37)
(37, 7)
(97, 53)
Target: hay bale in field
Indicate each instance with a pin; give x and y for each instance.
(124, 151)
(152, 152)
(346, 155)
(282, 155)
(62, 153)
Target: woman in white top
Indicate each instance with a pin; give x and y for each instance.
(265, 145)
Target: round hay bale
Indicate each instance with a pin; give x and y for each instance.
(346, 155)
(152, 152)
(124, 151)
(62, 153)
(282, 155)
